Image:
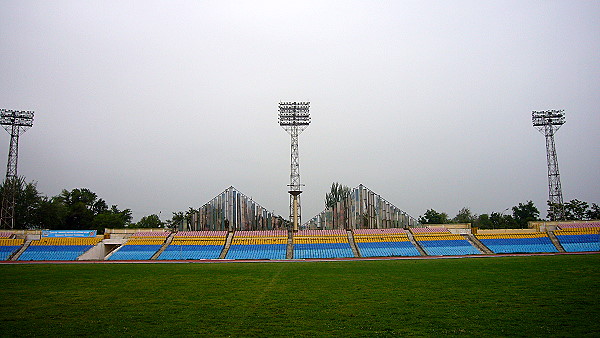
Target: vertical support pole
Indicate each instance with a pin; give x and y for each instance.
(15, 123)
(548, 122)
(295, 194)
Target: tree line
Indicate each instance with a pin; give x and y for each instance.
(518, 219)
(77, 209)
(82, 209)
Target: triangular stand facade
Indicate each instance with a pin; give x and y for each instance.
(364, 209)
(231, 210)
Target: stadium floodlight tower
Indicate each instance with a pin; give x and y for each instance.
(15, 123)
(548, 122)
(294, 117)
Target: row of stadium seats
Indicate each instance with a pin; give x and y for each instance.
(198, 241)
(258, 245)
(388, 231)
(580, 239)
(306, 244)
(518, 243)
(580, 225)
(187, 234)
(67, 241)
(163, 234)
(387, 249)
(267, 233)
(322, 250)
(141, 246)
(9, 246)
(6, 234)
(257, 251)
(135, 252)
(53, 252)
(186, 252)
(384, 243)
(58, 248)
(445, 244)
(322, 244)
(189, 245)
(432, 230)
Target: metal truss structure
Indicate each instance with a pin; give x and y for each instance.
(548, 122)
(15, 123)
(231, 210)
(364, 209)
(294, 117)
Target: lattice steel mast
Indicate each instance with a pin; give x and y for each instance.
(15, 123)
(548, 122)
(294, 117)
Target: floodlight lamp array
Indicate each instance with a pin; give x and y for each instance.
(548, 117)
(294, 113)
(10, 117)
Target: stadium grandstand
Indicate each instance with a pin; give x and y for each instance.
(579, 237)
(384, 243)
(432, 240)
(518, 242)
(258, 245)
(322, 244)
(58, 249)
(141, 246)
(9, 245)
(439, 241)
(188, 245)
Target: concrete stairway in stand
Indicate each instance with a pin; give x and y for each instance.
(17, 254)
(162, 248)
(289, 254)
(353, 244)
(555, 241)
(416, 244)
(477, 243)
(227, 245)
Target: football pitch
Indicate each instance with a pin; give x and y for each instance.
(505, 296)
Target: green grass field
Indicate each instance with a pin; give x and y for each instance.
(511, 296)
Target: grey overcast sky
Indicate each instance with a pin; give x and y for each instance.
(160, 105)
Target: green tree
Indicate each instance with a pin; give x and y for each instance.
(433, 217)
(501, 221)
(112, 218)
(593, 212)
(82, 205)
(524, 213)
(177, 219)
(28, 203)
(465, 216)
(52, 213)
(483, 222)
(576, 210)
(337, 193)
(150, 221)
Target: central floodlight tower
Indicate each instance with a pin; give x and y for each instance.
(16, 123)
(548, 122)
(294, 117)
